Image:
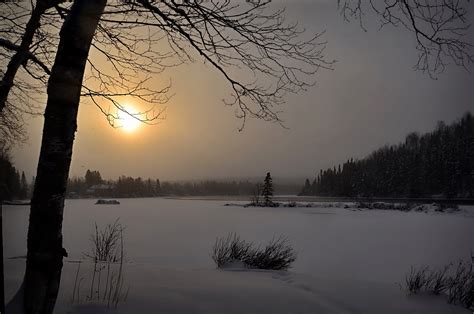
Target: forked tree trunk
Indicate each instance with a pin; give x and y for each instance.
(45, 251)
(21, 55)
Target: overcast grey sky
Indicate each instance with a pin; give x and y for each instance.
(372, 98)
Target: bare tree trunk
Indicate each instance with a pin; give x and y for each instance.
(45, 251)
(22, 54)
(2, 278)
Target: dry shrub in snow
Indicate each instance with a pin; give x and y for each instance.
(416, 279)
(105, 243)
(276, 255)
(107, 253)
(460, 286)
(230, 248)
(457, 285)
(438, 280)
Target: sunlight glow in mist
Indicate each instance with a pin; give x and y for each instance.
(127, 122)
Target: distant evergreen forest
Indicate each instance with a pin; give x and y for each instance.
(12, 184)
(92, 185)
(436, 164)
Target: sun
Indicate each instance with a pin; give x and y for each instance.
(127, 121)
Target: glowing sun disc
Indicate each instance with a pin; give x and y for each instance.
(127, 122)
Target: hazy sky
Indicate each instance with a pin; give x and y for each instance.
(372, 98)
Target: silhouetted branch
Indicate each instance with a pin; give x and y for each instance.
(441, 28)
(28, 55)
(36, 27)
(25, 35)
(260, 55)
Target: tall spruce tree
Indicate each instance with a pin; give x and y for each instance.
(24, 186)
(267, 191)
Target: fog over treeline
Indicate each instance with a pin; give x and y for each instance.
(93, 185)
(438, 163)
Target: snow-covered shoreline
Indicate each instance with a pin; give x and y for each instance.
(155, 289)
(348, 262)
(362, 206)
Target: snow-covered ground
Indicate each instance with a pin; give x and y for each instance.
(348, 261)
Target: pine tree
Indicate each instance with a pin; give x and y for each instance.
(307, 189)
(157, 187)
(267, 191)
(93, 178)
(24, 186)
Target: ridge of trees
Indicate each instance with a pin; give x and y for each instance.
(13, 185)
(438, 163)
(92, 185)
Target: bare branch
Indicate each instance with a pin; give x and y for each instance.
(259, 54)
(441, 28)
(28, 55)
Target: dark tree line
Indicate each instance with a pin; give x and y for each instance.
(208, 188)
(224, 188)
(92, 184)
(12, 184)
(439, 163)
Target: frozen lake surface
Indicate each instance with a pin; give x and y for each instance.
(336, 246)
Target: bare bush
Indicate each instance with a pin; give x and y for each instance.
(256, 193)
(107, 253)
(276, 255)
(438, 280)
(461, 285)
(105, 243)
(416, 279)
(230, 248)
